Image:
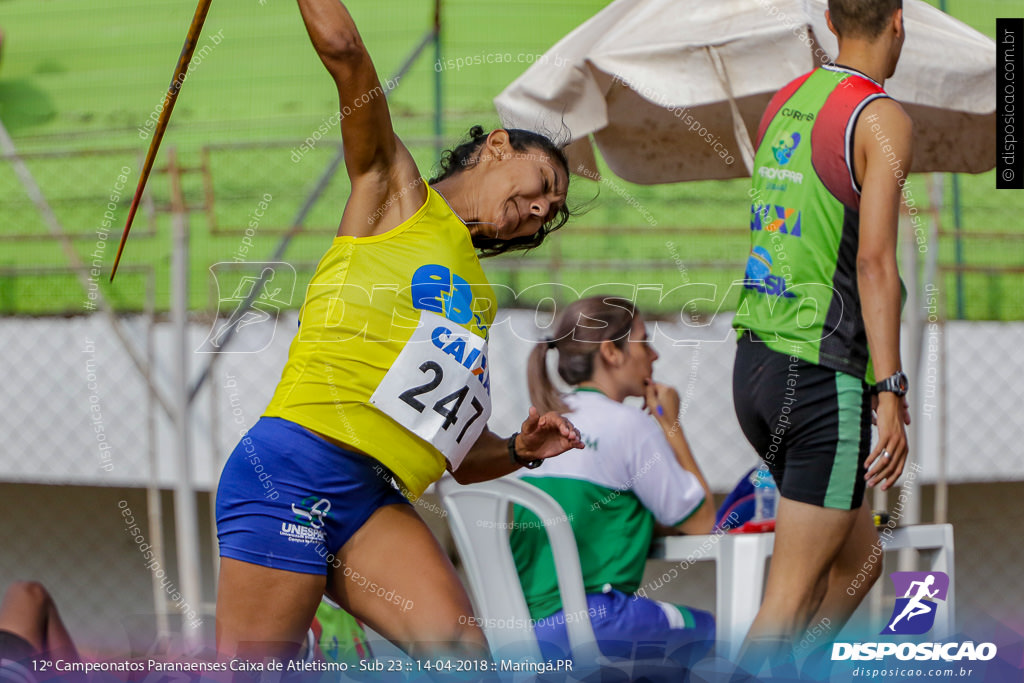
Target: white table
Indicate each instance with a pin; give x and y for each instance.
(739, 572)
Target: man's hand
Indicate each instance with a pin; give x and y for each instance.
(886, 460)
(545, 436)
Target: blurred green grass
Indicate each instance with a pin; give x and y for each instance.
(79, 75)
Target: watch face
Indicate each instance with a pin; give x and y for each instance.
(900, 380)
(897, 384)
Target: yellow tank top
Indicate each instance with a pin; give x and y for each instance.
(391, 353)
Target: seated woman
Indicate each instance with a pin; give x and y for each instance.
(635, 472)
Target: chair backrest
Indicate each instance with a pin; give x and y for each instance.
(479, 518)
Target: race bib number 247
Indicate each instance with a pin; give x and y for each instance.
(438, 388)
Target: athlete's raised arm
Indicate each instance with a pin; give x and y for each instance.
(384, 177)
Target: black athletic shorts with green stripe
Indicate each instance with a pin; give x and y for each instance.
(810, 424)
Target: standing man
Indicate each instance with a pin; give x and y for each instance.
(819, 323)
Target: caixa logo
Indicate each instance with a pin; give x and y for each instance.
(774, 218)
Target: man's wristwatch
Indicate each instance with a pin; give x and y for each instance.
(514, 457)
(897, 383)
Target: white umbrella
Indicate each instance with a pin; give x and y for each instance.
(673, 90)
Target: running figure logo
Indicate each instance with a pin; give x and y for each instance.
(253, 306)
(914, 613)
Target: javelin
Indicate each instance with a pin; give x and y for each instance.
(191, 38)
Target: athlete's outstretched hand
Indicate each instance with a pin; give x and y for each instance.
(545, 436)
(886, 460)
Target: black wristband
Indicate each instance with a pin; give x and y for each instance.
(514, 457)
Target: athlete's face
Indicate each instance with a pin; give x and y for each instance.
(522, 191)
(638, 363)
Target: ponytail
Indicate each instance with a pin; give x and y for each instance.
(543, 394)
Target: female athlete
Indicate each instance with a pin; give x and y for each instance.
(387, 384)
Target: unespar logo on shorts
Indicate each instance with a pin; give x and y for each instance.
(309, 520)
(919, 596)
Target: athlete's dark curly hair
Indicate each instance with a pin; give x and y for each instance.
(466, 154)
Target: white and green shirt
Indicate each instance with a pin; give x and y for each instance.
(612, 492)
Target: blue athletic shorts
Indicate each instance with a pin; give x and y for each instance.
(634, 627)
(290, 500)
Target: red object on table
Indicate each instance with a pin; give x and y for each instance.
(753, 527)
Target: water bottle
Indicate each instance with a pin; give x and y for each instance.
(766, 494)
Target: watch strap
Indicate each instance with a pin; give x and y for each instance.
(896, 383)
(515, 457)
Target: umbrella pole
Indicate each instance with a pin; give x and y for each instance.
(739, 129)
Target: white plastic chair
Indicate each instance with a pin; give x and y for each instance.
(479, 518)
